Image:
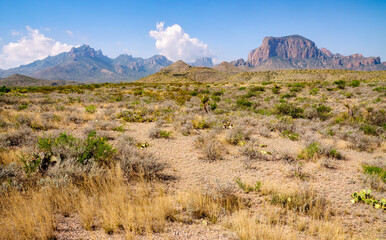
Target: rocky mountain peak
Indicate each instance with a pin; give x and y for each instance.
(298, 52)
(203, 62)
(84, 51)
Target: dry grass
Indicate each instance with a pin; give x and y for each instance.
(27, 216)
(247, 228)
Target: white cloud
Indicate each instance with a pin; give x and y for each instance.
(15, 33)
(70, 33)
(29, 48)
(175, 44)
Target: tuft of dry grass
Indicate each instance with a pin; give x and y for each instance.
(27, 215)
(247, 228)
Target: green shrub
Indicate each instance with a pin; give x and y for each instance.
(275, 89)
(290, 110)
(243, 103)
(380, 89)
(22, 107)
(341, 84)
(354, 83)
(291, 135)
(257, 89)
(310, 152)
(96, 148)
(4, 89)
(91, 109)
(375, 170)
(248, 188)
(314, 91)
(369, 130)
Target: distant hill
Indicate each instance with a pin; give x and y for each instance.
(228, 68)
(297, 52)
(203, 62)
(18, 80)
(86, 64)
(182, 72)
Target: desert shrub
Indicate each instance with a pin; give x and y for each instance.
(4, 89)
(91, 109)
(275, 89)
(159, 133)
(238, 135)
(135, 162)
(200, 123)
(361, 141)
(65, 147)
(96, 148)
(323, 111)
(24, 136)
(247, 188)
(137, 116)
(291, 135)
(341, 84)
(296, 171)
(369, 130)
(211, 148)
(354, 83)
(289, 109)
(314, 150)
(243, 103)
(22, 107)
(314, 91)
(377, 171)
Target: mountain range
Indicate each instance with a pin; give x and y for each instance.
(297, 52)
(84, 64)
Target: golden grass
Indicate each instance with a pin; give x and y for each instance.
(10, 156)
(247, 228)
(205, 205)
(27, 216)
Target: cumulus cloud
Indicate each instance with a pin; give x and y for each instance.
(34, 46)
(175, 44)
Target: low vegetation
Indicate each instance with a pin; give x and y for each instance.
(260, 155)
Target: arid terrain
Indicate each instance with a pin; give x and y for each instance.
(196, 154)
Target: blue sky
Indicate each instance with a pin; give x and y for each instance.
(225, 30)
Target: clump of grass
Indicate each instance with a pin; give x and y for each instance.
(304, 201)
(314, 150)
(200, 123)
(212, 149)
(159, 133)
(291, 135)
(91, 109)
(247, 188)
(238, 135)
(375, 170)
(247, 227)
(209, 205)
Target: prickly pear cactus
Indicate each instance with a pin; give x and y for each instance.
(366, 197)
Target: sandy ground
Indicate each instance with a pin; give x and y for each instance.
(190, 171)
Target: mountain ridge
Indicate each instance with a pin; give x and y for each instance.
(298, 52)
(84, 63)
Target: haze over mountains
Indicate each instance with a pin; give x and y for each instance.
(84, 64)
